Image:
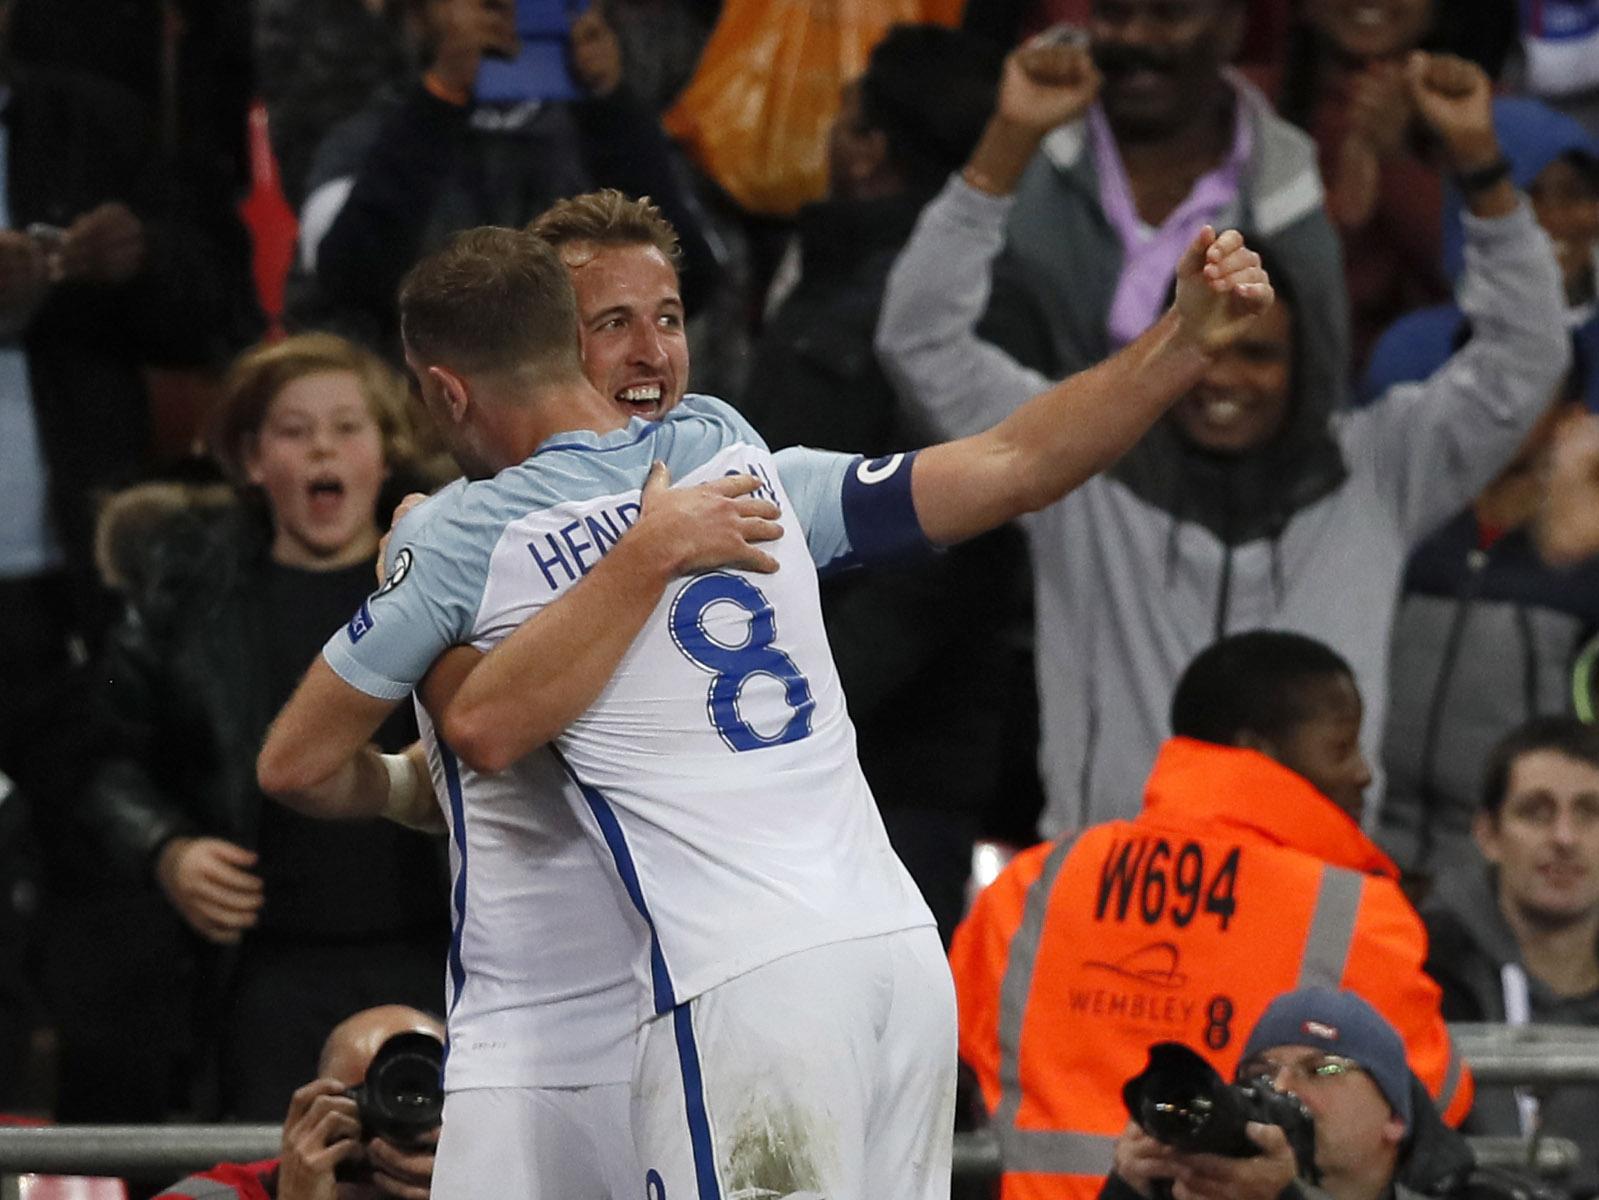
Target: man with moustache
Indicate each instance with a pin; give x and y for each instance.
(1257, 503)
(1518, 940)
(1164, 138)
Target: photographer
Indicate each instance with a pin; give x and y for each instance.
(327, 1154)
(1377, 1134)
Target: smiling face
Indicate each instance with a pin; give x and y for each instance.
(1545, 838)
(318, 456)
(634, 347)
(1242, 401)
(1369, 29)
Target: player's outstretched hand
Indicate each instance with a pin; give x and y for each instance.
(717, 524)
(1221, 289)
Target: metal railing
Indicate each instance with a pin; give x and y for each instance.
(147, 1152)
(1529, 1054)
(977, 1155)
(1533, 1054)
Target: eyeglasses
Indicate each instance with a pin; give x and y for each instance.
(1317, 1068)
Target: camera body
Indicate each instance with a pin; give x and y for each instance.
(1180, 1100)
(402, 1098)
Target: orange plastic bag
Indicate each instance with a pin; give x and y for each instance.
(755, 117)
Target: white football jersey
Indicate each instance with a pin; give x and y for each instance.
(715, 776)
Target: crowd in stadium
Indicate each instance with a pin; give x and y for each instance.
(1122, 568)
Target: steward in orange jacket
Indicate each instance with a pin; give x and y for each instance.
(1237, 882)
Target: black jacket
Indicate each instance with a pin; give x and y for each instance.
(183, 703)
(190, 685)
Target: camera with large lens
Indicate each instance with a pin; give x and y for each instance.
(402, 1098)
(1180, 1100)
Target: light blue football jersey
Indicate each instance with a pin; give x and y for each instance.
(715, 778)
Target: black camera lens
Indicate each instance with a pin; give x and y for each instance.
(402, 1098)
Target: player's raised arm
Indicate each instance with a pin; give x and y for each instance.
(1081, 425)
(540, 679)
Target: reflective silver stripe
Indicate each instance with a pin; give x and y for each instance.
(1332, 928)
(1451, 1079)
(1033, 1150)
(1045, 1151)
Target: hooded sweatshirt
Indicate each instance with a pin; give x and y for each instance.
(1470, 945)
(1139, 569)
(1486, 634)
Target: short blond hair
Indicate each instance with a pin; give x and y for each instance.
(608, 218)
(261, 372)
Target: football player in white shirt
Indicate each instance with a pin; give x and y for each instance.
(317, 751)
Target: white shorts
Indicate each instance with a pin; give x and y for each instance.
(537, 1144)
(830, 1073)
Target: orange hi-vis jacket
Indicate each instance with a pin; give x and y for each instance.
(1238, 881)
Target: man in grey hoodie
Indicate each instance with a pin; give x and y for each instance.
(1251, 504)
(1517, 941)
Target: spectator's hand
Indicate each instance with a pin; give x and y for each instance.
(466, 31)
(1141, 1160)
(105, 245)
(410, 501)
(1047, 83)
(1221, 289)
(1212, 1177)
(1568, 526)
(709, 525)
(596, 54)
(24, 277)
(1380, 108)
(208, 880)
(320, 1131)
(1455, 98)
(403, 1172)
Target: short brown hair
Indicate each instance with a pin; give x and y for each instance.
(261, 372)
(608, 218)
(491, 300)
(1562, 735)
